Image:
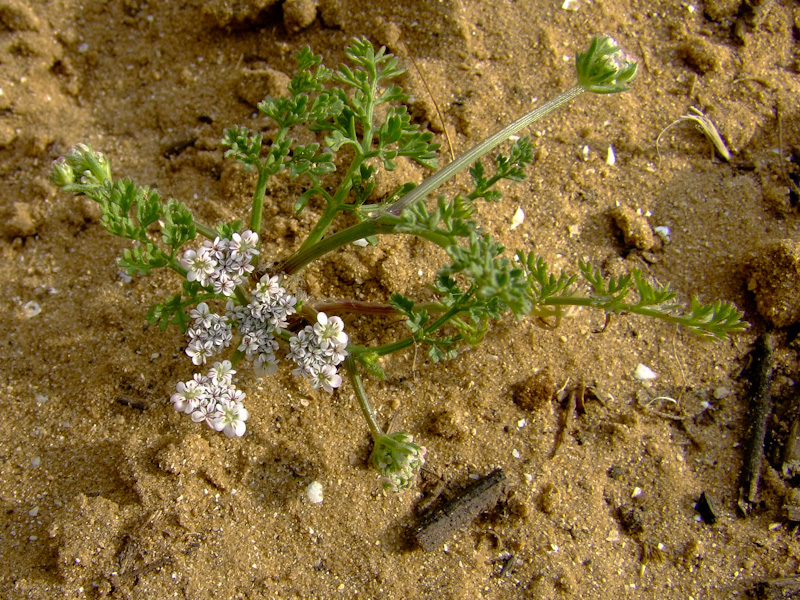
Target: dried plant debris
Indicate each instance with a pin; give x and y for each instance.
(791, 454)
(704, 124)
(708, 509)
(775, 281)
(480, 496)
(760, 408)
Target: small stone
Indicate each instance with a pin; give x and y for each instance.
(636, 231)
(256, 84)
(19, 220)
(314, 492)
(707, 507)
(644, 373)
(534, 392)
(775, 282)
(299, 14)
(721, 392)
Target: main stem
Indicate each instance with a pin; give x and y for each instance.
(385, 221)
(473, 154)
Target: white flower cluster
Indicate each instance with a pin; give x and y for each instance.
(222, 264)
(209, 334)
(318, 350)
(259, 321)
(213, 398)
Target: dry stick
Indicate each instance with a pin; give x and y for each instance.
(569, 414)
(433, 99)
(757, 415)
(479, 497)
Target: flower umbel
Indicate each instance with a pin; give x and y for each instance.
(213, 398)
(398, 459)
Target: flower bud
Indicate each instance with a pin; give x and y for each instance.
(62, 174)
(398, 459)
(93, 166)
(604, 68)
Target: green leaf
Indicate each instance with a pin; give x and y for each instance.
(179, 225)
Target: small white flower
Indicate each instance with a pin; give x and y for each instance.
(327, 379)
(199, 351)
(231, 421)
(329, 330)
(245, 243)
(187, 396)
(222, 373)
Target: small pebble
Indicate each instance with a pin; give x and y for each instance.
(611, 158)
(517, 219)
(644, 373)
(31, 309)
(314, 492)
(721, 392)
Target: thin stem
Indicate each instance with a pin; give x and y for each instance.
(372, 308)
(410, 340)
(258, 200)
(361, 396)
(470, 156)
(205, 230)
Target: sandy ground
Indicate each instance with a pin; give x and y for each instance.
(106, 491)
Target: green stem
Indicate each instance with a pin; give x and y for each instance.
(409, 341)
(258, 200)
(302, 257)
(361, 396)
(371, 308)
(470, 156)
(205, 230)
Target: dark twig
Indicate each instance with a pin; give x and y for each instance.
(479, 497)
(757, 415)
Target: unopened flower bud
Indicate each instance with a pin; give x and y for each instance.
(604, 68)
(398, 459)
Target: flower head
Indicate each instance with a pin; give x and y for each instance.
(604, 68)
(213, 398)
(398, 459)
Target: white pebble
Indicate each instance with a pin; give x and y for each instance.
(721, 392)
(611, 158)
(314, 492)
(36, 461)
(663, 232)
(644, 373)
(31, 309)
(362, 242)
(517, 219)
(33, 512)
(515, 453)
(570, 5)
